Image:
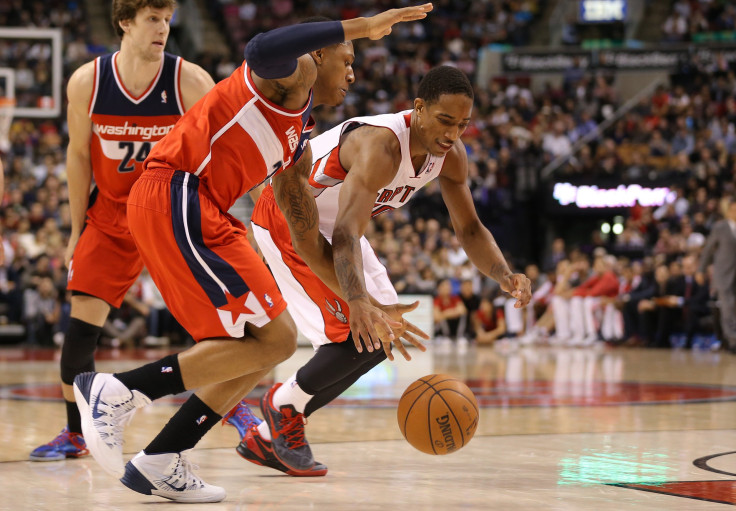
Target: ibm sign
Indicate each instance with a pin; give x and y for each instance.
(602, 11)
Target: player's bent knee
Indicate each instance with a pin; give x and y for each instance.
(280, 337)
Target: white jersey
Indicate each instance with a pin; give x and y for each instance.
(328, 174)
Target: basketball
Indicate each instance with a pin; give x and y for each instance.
(438, 414)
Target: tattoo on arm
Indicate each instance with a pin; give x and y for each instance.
(346, 267)
(296, 201)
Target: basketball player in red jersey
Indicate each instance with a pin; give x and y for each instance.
(251, 126)
(360, 169)
(120, 106)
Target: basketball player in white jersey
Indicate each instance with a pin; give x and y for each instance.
(120, 106)
(361, 168)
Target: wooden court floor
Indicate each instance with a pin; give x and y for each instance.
(560, 429)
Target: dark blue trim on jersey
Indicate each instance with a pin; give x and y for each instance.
(307, 126)
(222, 270)
(161, 99)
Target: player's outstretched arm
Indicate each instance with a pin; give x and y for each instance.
(476, 239)
(380, 25)
(273, 55)
(78, 163)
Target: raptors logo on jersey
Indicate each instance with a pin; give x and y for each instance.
(327, 172)
(124, 127)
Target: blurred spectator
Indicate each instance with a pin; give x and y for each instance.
(584, 306)
(126, 326)
(471, 301)
(675, 27)
(488, 322)
(449, 313)
(42, 310)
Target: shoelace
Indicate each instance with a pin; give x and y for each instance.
(292, 427)
(61, 438)
(184, 471)
(115, 421)
(243, 414)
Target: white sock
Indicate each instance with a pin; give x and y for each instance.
(264, 430)
(291, 394)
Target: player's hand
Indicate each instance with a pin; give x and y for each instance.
(380, 24)
(370, 325)
(73, 239)
(406, 332)
(518, 286)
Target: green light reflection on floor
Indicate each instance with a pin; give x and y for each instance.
(606, 467)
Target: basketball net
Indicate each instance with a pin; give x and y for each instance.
(7, 107)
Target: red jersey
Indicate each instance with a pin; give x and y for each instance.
(234, 139)
(446, 303)
(125, 127)
(489, 323)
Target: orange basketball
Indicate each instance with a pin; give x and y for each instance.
(438, 414)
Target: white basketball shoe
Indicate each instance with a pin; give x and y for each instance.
(106, 406)
(171, 476)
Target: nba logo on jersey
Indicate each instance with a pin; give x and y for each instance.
(164, 97)
(268, 299)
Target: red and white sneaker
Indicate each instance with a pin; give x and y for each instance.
(258, 450)
(288, 442)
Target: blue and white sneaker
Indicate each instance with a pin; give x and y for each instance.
(65, 445)
(106, 406)
(171, 476)
(241, 417)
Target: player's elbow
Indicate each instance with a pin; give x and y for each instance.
(468, 232)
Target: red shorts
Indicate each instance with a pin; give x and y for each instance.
(318, 312)
(106, 261)
(211, 279)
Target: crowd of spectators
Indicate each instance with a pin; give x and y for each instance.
(684, 133)
(688, 18)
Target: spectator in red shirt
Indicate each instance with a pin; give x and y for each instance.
(489, 322)
(449, 312)
(586, 300)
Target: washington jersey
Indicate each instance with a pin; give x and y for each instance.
(234, 139)
(328, 174)
(125, 128)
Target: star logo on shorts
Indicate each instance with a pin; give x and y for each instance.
(240, 310)
(236, 305)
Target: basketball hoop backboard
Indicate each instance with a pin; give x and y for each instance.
(31, 70)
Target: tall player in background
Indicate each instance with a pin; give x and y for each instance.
(252, 125)
(361, 168)
(120, 106)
